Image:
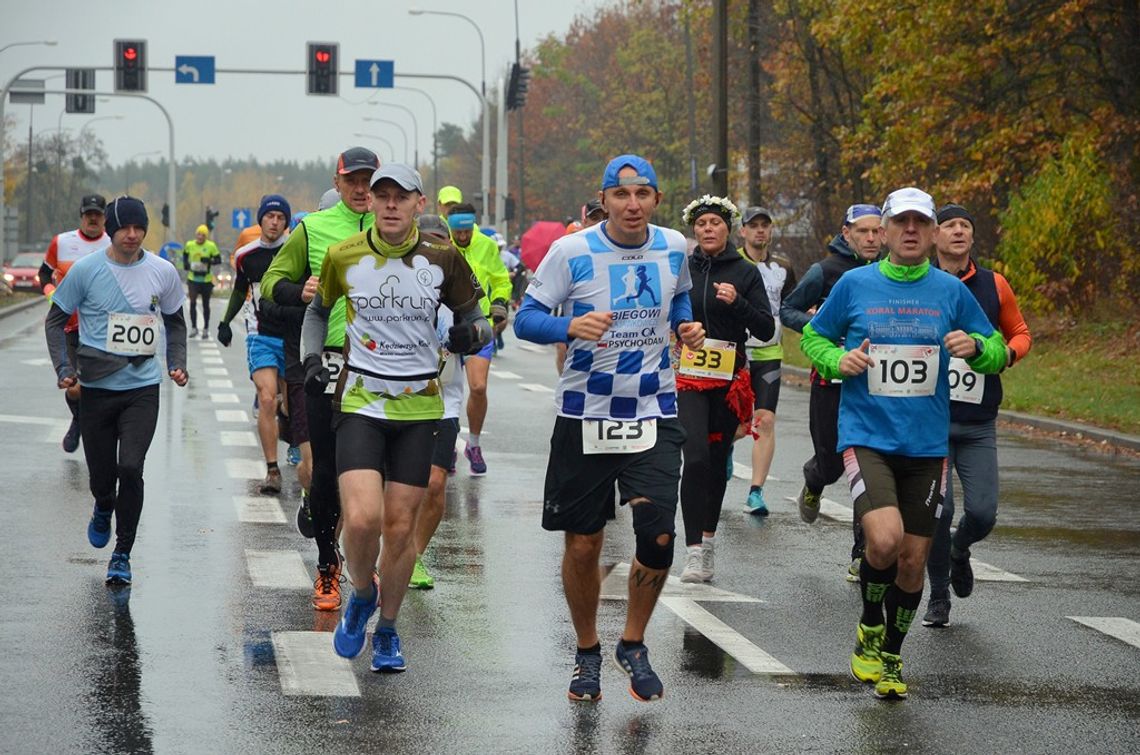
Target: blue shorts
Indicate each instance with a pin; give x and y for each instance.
(486, 352)
(265, 351)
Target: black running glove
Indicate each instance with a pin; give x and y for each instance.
(316, 375)
(225, 334)
(498, 311)
(462, 339)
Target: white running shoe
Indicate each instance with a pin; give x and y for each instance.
(706, 561)
(693, 572)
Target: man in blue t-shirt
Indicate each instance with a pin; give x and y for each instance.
(624, 285)
(904, 321)
(123, 295)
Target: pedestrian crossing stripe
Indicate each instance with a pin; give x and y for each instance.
(255, 510)
(1125, 630)
(277, 570)
(307, 665)
(237, 438)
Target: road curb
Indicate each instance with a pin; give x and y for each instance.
(17, 308)
(1047, 424)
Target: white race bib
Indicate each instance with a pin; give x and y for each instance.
(199, 267)
(966, 386)
(447, 369)
(334, 361)
(132, 334)
(607, 436)
(903, 370)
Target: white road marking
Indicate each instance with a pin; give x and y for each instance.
(231, 415)
(239, 438)
(725, 637)
(225, 398)
(219, 384)
(254, 510)
(41, 362)
(506, 374)
(215, 371)
(984, 572)
(614, 587)
(210, 347)
(22, 420)
(744, 472)
(245, 469)
(536, 388)
(533, 348)
(308, 665)
(277, 570)
(212, 360)
(1125, 630)
(832, 510)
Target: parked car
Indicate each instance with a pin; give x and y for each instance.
(22, 273)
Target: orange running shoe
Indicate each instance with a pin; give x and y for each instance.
(326, 589)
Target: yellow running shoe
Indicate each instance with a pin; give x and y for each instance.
(866, 664)
(890, 684)
(420, 580)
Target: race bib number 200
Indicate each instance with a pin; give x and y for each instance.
(902, 370)
(132, 333)
(604, 436)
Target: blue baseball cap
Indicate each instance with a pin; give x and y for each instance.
(856, 211)
(461, 221)
(646, 176)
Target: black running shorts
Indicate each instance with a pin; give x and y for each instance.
(401, 451)
(446, 433)
(765, 384)
(579, 493)
(913, 485)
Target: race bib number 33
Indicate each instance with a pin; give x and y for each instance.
(132, 333)
(716, 360)
(902, 370)
(604, 436)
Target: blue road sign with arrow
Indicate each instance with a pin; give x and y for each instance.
(193, 69)
(242, 217)
(375, 74)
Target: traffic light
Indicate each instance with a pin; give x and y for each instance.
(130, 65)
(166, 214)
(518, 86)
(509, 208)
(80, 78)
(322, 67)
(211, 216)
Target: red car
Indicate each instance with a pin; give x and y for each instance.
(23, 272)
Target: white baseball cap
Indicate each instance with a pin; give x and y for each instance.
(909, 199)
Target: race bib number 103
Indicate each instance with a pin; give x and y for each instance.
(902, 371)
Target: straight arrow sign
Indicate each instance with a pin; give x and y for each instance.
(375, 74)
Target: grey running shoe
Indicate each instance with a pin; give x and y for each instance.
(809, 505)
(272, 482)
(937, 613)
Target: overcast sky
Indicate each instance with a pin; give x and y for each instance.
(270, 117)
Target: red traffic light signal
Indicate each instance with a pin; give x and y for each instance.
(322, 68)
(130, 65)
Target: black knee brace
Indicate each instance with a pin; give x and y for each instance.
(649, 523)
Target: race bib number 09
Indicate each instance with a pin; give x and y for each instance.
(966, 385)
(132, 334)
(902, 371)
(604, 436)
(334, 362)
(716, 360)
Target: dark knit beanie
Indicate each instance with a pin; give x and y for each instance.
(274, 202)
(951, 211)
(124, 211)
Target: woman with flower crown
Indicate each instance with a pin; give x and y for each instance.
(714, 391)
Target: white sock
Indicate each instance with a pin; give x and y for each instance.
(473, 439)
(707, 540)
(694, 549)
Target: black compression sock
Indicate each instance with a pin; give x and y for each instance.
(901, 607)
(754, 488)
(271, 465)
(595, 650)
(874, 584)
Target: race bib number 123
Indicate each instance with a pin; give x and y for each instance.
(604, 436)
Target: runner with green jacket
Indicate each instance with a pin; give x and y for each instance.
(291, 280)
(198, 256)
(482, 254)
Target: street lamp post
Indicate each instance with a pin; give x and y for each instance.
(415, 128)
(486, 107)
(377, 137)
(46, 43)
(434, 135)
(403, 131)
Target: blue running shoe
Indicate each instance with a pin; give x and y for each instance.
(293, 456)
(756, 505)
(586, 683)
(119, 569)
(99, 528)
(386, 655)
(644, 684)
(348, 639)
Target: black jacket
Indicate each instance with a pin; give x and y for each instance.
(728, 322)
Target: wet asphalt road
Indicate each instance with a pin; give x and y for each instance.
(197, 657)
